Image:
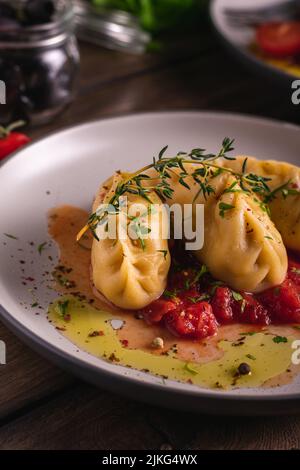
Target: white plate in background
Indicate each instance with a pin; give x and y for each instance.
(238, 39)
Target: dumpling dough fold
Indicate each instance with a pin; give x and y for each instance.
(285, 209)
(242, 246)
(126, 273)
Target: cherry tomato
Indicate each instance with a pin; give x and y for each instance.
(10, 140)
(279, 39)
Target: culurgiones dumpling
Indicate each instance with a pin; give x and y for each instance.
(131, 272)
(242, 246)
(284, 200)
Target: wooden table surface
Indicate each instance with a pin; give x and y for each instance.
(43, 407)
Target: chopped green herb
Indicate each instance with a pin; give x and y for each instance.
(233, 189)
(280, 339)
(244, 165)
(203, 270)
(243, 306)
(295, 270)
(10, 236)
(248, 333)
(169, 294)
(223, 207)
(62, 307)
(164, 252)
(250, 356)
(190, 369)
(201, 298)
(35, 304)
(41, 247)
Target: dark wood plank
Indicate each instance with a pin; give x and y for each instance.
(85, 418)
(198, 432)
(192, 84)
(99, 65)
(26, 377)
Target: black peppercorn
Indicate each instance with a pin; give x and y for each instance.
(244, 369)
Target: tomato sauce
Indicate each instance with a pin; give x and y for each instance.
(194, 304)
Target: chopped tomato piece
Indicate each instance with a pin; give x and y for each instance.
(222, 305)
(279, 39)
(157, 309)
(250, 310)
(244, 310)
(283, 302)
(190, 308)
(195, 322)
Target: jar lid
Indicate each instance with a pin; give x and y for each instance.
(40, 35)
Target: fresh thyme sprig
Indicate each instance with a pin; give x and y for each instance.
(206, 169)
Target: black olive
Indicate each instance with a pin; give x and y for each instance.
(39, 11)
(244, 369)
(6, 12)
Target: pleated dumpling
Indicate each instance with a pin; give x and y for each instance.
(242, 245)
(132, 272)
(284, 204)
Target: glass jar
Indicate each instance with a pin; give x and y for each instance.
(38, 65)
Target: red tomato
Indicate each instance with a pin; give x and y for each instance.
(11, 143)
(222, 305)
(283, 302)
(154, 312)
(250, 310)
(279, 39)
(245, 310)
(195, 322)
(11, 140)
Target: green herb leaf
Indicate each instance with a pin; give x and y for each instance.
(237, 296)
(9, 235)
(161, 153)
(201, 298)
(41, 247)
(169, 294)
(203, 270)
(62, 307)
(190, 369)
(244, 165)
(280, 339)
(164, 252)
(250, 356)
(223, 207)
